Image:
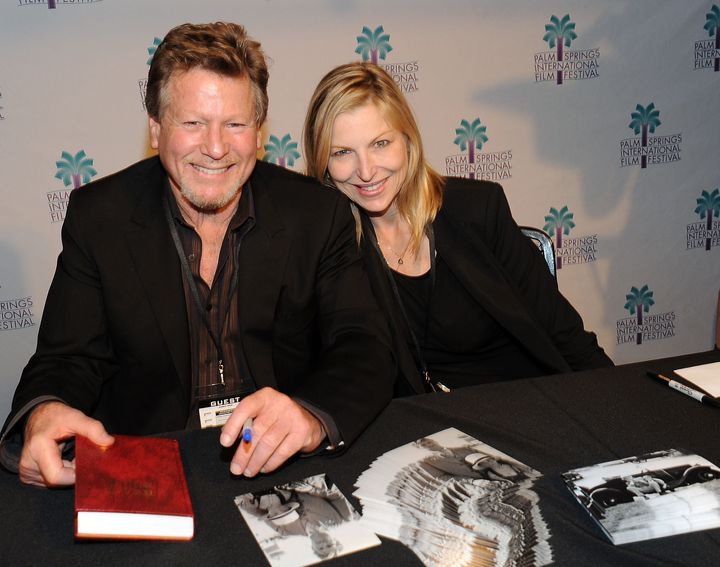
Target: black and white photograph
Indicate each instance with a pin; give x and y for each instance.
(304, 522)
(455, 500)
(649, 496)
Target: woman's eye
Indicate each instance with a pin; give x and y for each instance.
(339, 153)
(381, 143)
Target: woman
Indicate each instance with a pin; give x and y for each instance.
(467, 295)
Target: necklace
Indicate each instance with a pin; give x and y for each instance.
(400, 257)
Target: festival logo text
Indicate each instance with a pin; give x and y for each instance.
(576, 250)
(74, 171)
(705, 233)
(707, 51)
(374, 46)
(16, 314)
(52, 4)
(560, 64)
(472, 163)
(648, 150)
(641, 326)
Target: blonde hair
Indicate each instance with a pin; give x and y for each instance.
(347, 88)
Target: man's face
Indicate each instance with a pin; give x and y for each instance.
(206, 137)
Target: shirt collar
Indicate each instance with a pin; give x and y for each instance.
(244, 212)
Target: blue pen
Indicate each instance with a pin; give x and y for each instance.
(247, 430)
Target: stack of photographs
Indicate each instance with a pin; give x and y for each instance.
(649, 496)
(454, 500)
(304, 522)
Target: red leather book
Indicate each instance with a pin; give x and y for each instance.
(133, 489)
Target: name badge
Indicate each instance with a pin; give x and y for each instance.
(214, 413)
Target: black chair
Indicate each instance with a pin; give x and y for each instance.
(544, 243)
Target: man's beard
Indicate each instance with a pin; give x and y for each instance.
(205, 203)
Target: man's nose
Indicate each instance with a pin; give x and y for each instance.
(215, 145)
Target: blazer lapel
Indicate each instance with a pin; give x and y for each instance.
(158, 268)
(263, 259)
(484, 280)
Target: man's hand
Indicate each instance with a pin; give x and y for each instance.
(281, 428)
(48, 426)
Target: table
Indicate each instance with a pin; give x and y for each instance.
(552, 424)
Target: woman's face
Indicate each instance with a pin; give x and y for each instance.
(368, 159)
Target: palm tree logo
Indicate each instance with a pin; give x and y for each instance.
(152, 49)
(470, 137)
(75, 170)
(644, 119)
(712, 25)
(560, 33)
(559, 222)
(281, 151)
(373, 44)
(637, 301)
(707, 205)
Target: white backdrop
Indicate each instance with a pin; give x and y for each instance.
(481, 75)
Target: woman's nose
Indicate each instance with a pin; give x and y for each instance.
(365, 167)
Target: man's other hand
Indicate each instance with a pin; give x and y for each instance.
(47, 429)
(281, 428)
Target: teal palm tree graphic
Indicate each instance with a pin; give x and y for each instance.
(373, 44)
(712, 25)
(152, 49)
(559, 222)
(644, 119)
(639, 300)
(281, 151)
(469, 137)
(559, 34)
(708, 204)
(75, 170)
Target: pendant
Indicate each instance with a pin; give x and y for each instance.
(400, 262)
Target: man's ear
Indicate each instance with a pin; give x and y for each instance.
(155, 128)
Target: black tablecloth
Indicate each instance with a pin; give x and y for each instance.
(552, 424)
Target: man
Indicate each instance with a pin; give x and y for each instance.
(200, 284)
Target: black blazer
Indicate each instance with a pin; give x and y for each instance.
(504, 272)
(114, 342)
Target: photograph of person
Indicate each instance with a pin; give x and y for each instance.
(304, 521)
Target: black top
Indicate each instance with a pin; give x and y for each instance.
(503, 271)
(461, 342)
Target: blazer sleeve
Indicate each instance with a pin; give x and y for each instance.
(352, 379)
(74, 354)
(525, 267)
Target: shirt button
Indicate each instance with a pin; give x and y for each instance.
(191, 257)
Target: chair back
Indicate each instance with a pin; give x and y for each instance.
(717, 325)
(543, 241)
